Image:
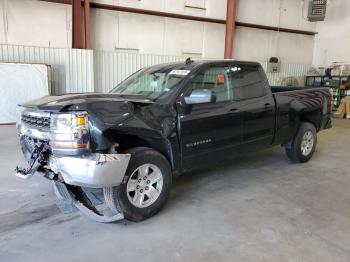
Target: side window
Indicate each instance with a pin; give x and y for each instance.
(247, 82)
(217, 80)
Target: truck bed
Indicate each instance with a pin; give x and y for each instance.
(293, 100)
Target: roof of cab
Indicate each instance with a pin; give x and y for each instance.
(193, 64)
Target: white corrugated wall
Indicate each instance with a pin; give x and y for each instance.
(71, 69)
(287, 70)
(77, 70)
(80, 71)
(113, 67)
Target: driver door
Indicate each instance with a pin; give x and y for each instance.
(211, 131)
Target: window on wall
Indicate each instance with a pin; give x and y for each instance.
(217, 80)
(247, 82)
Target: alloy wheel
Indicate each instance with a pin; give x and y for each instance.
(145, 185)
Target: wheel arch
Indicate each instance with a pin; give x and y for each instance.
(124, 142)
(313, 117)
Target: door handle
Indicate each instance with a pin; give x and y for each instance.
(267, 105)
(234, 109)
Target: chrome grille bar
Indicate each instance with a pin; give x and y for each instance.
(37, 120)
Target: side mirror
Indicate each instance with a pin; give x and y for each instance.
(199, 96)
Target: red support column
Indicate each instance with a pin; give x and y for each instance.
(230, 28)
(87, 24)
(77, 33)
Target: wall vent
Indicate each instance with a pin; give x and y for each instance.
(317, 10)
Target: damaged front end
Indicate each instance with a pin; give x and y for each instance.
(82, 180)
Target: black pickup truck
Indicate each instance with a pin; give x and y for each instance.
(113, 156)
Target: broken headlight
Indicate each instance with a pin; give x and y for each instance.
(69, 132)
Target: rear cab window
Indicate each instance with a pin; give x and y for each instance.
(248, 81)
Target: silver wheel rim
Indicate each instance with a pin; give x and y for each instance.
(307, 143)
(145, 185)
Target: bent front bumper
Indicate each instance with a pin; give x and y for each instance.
(94, 170)
(72, 176)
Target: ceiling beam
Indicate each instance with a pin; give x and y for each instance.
(275, 28)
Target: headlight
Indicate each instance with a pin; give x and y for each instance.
(69, 131)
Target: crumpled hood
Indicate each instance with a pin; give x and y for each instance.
(80, 101)
(113, 114)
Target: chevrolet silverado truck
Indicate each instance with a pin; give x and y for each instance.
(113, 155)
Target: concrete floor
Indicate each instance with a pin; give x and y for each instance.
(257, 208)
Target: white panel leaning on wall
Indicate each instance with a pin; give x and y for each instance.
(18, 84)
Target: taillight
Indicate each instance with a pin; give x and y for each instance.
(331, 106)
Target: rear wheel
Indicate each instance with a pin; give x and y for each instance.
(303, 144)
(146, 184)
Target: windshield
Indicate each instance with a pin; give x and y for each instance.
(152, 83)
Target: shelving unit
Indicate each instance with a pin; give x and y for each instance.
(333, 83)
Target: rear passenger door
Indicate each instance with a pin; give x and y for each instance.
(257, 105)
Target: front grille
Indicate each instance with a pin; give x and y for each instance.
(38, 122)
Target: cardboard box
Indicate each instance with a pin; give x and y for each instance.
(341, 109)
(347, 100)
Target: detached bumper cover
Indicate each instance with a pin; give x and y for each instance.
(94, 170)
(67, 196)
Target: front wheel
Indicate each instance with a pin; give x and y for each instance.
(146, 184)
(303, 145)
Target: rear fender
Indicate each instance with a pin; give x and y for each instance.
(301, 111)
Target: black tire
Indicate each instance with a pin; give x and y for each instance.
(139, 157)
(294, 149)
